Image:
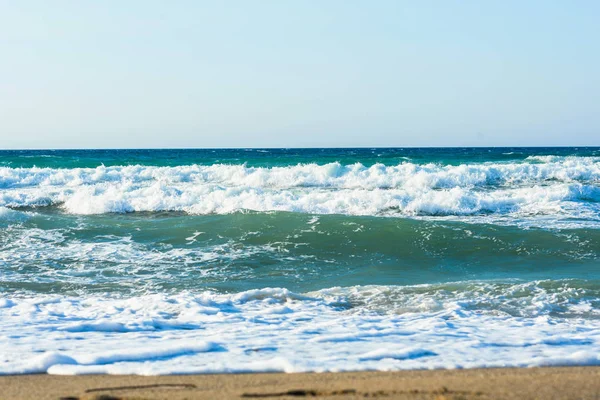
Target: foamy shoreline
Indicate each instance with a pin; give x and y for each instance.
(451, 326)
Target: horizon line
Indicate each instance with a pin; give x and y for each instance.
(293, 148)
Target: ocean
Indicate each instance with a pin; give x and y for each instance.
(263, 260)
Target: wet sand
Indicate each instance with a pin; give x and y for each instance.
(505, 383)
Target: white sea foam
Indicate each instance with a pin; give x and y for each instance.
(32, 255)
(357, 328)
(564, 188)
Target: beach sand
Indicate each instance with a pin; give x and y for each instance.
(505, 383)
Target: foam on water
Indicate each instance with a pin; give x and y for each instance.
(564, 187)
(488, 258)
(133, 254)
(357, 328)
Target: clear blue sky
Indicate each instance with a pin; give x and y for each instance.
(298, 73)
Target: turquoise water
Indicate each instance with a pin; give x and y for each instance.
(172, 247)
(279, 157)
(52, 252)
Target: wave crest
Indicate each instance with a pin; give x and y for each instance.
(524, 188)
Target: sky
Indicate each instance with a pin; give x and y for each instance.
(277, 73)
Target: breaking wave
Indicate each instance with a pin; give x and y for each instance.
(566, 187)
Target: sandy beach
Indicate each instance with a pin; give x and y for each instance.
(506, 383)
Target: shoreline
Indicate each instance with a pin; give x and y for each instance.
(492, 383)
